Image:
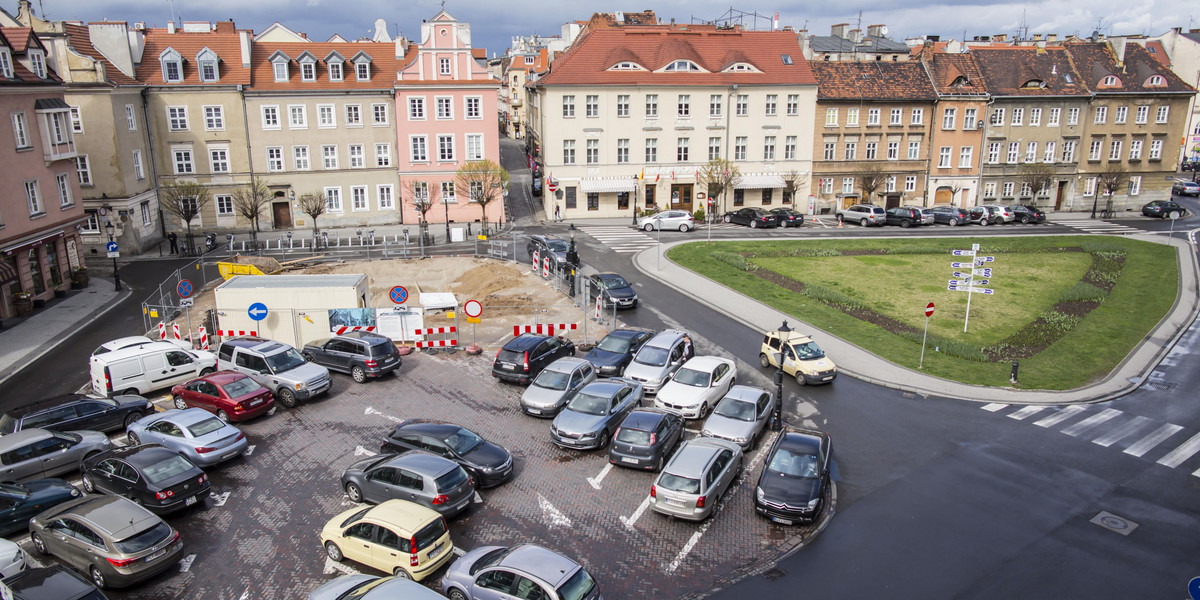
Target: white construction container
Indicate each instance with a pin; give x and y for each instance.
(297, 305)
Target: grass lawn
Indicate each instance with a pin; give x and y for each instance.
(1030, 276)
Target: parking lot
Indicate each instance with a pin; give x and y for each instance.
(256, 537)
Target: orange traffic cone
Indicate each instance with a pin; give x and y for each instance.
(839, 224)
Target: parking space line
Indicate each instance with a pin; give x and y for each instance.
(1185, 451)
(1060, 416)
(993, 407)
(360, 451)
(636, 514)
(186, 563)
(554, 517)
(1159, 436)
(331, 566)
(687, 548)
(459, 551)
(371, 411)
(603, 472)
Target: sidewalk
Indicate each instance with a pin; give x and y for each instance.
(42, 332)
(860, 364)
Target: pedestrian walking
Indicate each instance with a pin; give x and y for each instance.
(174, 239)
(557, 214)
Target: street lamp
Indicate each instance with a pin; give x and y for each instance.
(777, 416)
(446, 208)
(572, 253)
(116, 274)
(633, 205)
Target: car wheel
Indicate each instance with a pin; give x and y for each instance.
(133, 439)
(308, 356)
(131, 418)
(223, 416)
(683, 227)
(97, 577)
(286, 398)
(763, 360)
(130, 392)
(905, 224)
(39, 546)
(800, 378)
(1025, 220)
(1173, 214)
(648, 226)
(88, 486)
(179, 403)
(658, 464)
(753, 224)
(359, 374)
(456, 594)
(333, 552)
(863, 222)
(354, 492)
(400, 573)
(704, 410)
(984, 222)
(207, 371)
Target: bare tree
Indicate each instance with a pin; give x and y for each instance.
(792, 181)
(718, 177)
(871, 177)
(185, 201)
(1113, 178)
(419, 192)
(249, 201)
(1038, 176)
(481, 181)
(313, 205)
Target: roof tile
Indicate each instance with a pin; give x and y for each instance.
(872, 80)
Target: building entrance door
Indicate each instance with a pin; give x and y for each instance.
(681, 196)
(281, 211)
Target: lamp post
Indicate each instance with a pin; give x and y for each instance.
(777, 416)
(116, 274)
(633, 205)
(572, 258)
(446, 208)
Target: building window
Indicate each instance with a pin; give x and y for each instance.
(214, 118)
(92, 225)
(651, 106)
(829, 150)
(914, 149)
(714, 105)
(1156, 149)
(353, 115)
(300, 160)
(270, 117)
(419, 151)
(623, 105)
(1068, 153)
(622, 200)
(1163, 112)
(6, 66)
(1035, 117)
(1115, 150)
(335, 69)
(851, 117)
(130, 117)
(685, 105)
(1018, 117)
(568, 106)
(831, 117)
(993, 156)
(1135, 149)
(871, 150)
(386, 199)
(769, 148)
(593, 152)
(138, 171)
(893, 151)
(793, 105)
(333, 199)
(177, 118)
(275, 159)
(444, 107)
(910, 183)
(918, 116)
(33, 197)
(593, 201)
(297, 116)
(998, 116)
(889, 184)
(1097, 148)
(1089, 186)
(1073, 116)
(224, 206)
(569, 151)
(681, 150)
(379, 114)
(444, 66)
(358, 198)
(743, 105)
(1013, 151)
(944, 157)
(964, 156)
(1009, 188)
(767, 194)
(739, 197)
(172, 66)
(851, 151)
(847, 185)
(771, 106)
(897, 117)
(474, 107)
(623, 151)
(1119, 115)
(147, 218)
(826, 185)
(20, 130)
(1052, 119)
(64, 190)
(739, 147)
(1031, 152)
(183, 162)
(445, 148)
(1101, 115)
(1048, 155)
(308, 71)
(383, 153)
(989, 189)
(1142, 115)
(873, 117)
(789, 147)
(329, 156)
(651, 151)
(357, 156)
(949, 116)
(1135, 185)
(218, 160)
(448, 193)
(591, 105)
(76, 120)
(325, 118)
(280, 66)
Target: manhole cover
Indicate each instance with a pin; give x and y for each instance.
(1161, 386)
(1114, 523)
(774, 574)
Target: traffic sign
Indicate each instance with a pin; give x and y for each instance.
(981, 281)
(257, 311)
(111, 246)
(957, 265)
(184, 289)
(552, 186)
(929, 310)
(186, 302)
(984, 259)
(960, 282)
(963, 252)
(398, 294)
(982, 272)
(473, 308)
(475, 320)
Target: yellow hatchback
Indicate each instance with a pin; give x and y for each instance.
(397, 537)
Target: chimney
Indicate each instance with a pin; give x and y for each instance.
(877, 30)
(1118, 46)
(927, 50)
(1037, 37)
(1052, 37)
(226, 26)
(1000, 37)
(839, 31)
(171, 27)
(856, 36)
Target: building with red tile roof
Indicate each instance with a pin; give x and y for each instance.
(956, 125)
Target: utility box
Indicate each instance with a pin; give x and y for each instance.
(297, 306)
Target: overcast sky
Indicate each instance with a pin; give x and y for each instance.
(494, 22)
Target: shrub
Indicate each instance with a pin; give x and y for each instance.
(699, 215)
(947, 346)
(1083, 292)
(735, 260)
(831, 297)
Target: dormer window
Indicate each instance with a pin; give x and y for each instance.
(207, 61)
(529, 60)
(626, 66)
(680, 66)
(6, 69)
(960, 81)
(334, 62)
(37, 61)
(362, 66)
(1110, 80)
(279, 63)
(1034, 84)
(1156, 80)
(172, 65)
(308, 67)
(740, 68)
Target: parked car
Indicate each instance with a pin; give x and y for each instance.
(194, 432)
(156, 477)
(1185, 187)
(658, 358)
(277, 367)
(549, 391)
(490, 464)
(802, 357)
(741, 416)
(55, 582)
(697, 386)
(950, 215)
(548, 245)
(135, 340)
(536, 186)
(668, 220)
(698, 474)
(416, 476)
(926, 215)
(903, 216)
(370, 587)
(398, 537)
(616, 350)
(115, 541)
(788, 217)
(40, 453)
(594, 412)
(75, 411)
(1001, 212)
(985, 215)
(361, 354)
(525, 571)
(21, 501)
(792, 484)
(1027, 214)
(646, 438)
(863, 214)
(12, 559)
(230, 395)
(1164, 209)
(752, 217)
(523, 357)
(615, 288)
(147, 367)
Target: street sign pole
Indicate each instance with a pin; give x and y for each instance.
(928, 313)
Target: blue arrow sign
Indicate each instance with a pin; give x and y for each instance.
(1194, 588)
(184, 289)
(257, 311)
(963, 252)
(111, 246)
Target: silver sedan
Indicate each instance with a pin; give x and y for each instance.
(551, 388)
(194, 432)
(741, 416)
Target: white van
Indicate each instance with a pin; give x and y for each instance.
(135, 340)
(147, 367)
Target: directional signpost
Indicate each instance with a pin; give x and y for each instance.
(928, 313)
(965, 281)
(257, 311)
(111, 248)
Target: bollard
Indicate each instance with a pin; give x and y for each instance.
(1015, 366)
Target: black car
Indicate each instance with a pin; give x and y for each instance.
(548, 245)
(73, 412)
(158, 478)
(536, 186)
(490, 464)
(792, 485)
(950, 215)
(752, 217)
(523, 357)
(362, 354)
(615, 288)
(1027, 214)
(646, 439)
(616, 349)
(20, 502)
(52, 583)
(1163, 209)
(788, 217)
(904, 216)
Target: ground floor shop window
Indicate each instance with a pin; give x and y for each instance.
(35, 271)
(593, 200)
(787, 197)
(622, 200)
(766, 196)
(570, 197)
(649, 197)
(52, 263)
(739, 197)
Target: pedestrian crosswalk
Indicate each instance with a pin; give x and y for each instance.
(1109, 427)
(1101, 227)
(622, 239)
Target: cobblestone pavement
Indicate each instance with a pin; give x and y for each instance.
(256, 538)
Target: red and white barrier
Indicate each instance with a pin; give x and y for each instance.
(236, 332)
(536, 259)
(546, 268)
(437, 343)
(162, 330)
(432, 330)
(203, 338)
(543, 328)
(341, 330)
(175, 330)
(599, 300)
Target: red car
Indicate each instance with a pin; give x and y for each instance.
(231, 395)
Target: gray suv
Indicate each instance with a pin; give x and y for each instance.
(362, 354)
(275, 366)
(39, 453)
(863, 214)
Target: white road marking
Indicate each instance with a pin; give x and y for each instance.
(459, 551)
(1026, 412)
(245, 595)
(1159, 436)
(688, 547)
(220, 499)
(186, 563)
(360, 451)
(628, 522)
(993, 407)
(553, 516)
(478, 498)
(1183, 452)
(249, 450)
(603, 472)
(1060, 416)
(331, 566)
(372, 411)
(1091, 421)
(1125, 430)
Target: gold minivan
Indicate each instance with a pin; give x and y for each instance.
(802, 358)
(397, 537)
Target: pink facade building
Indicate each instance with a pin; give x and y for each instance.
(446, 117)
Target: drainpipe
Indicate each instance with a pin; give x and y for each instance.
(162, 221)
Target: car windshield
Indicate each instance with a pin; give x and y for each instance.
(205, 427)
(463, 441)
(614, 282)
(652, 355)
(9, 424)
(74, 438)
(794, 463)
(676, 483)
(578, 586)
(284, 361)
(636, 437)
(356, 516)
(241, 387)
(360, 591)
(552, 380)
(809, 351)
(556, 245)
(589, 404)
(613, 343)
(144, 540)
(12, 489)
(167, 468)
(692, 377)
(735, 409)
(490, 559)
